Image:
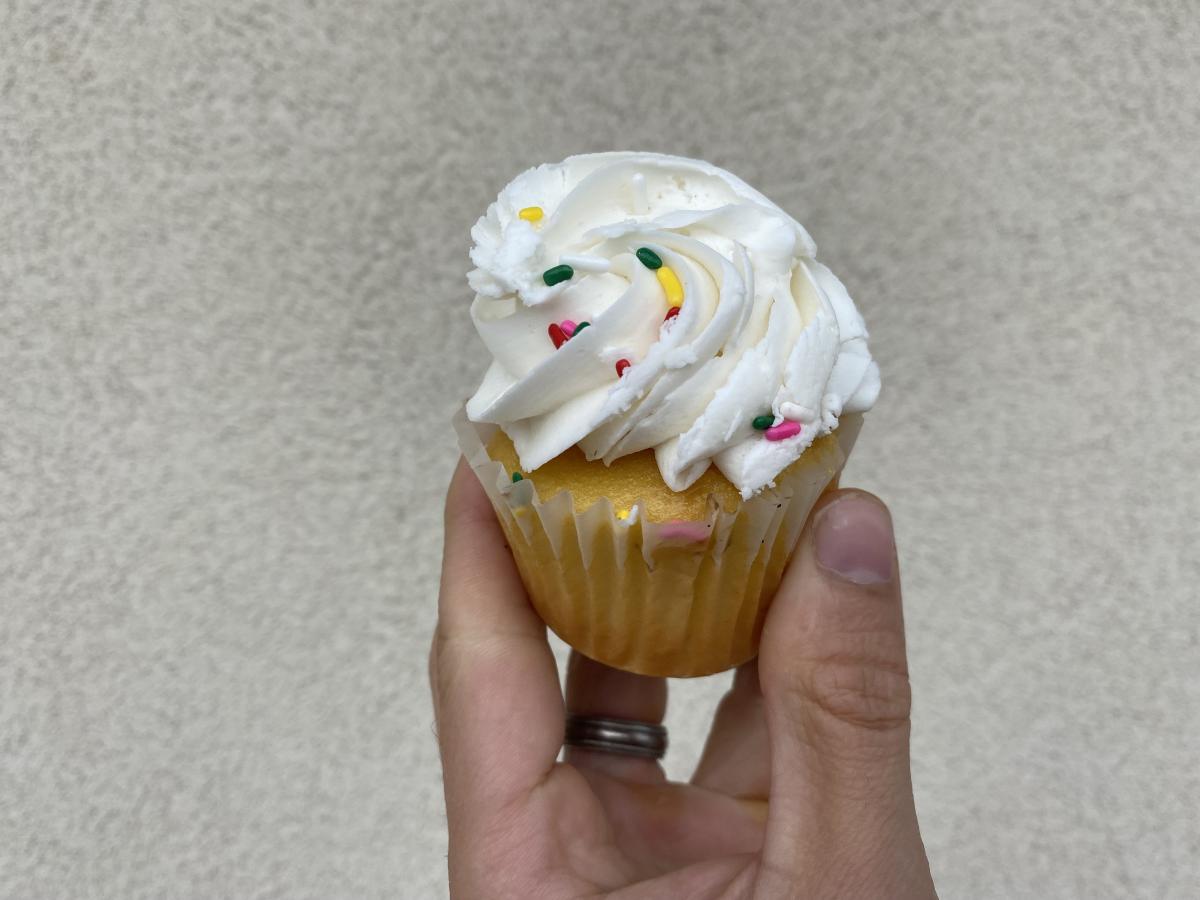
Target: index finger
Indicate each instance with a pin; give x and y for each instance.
(495, 683)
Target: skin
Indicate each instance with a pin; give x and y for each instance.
(803, 789)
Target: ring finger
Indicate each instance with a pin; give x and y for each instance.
(594, 689)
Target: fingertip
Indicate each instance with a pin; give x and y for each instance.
(838, 609)
(852, 538)
(464, 495)
(480, 581)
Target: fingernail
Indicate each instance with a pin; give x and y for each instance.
(853, 539)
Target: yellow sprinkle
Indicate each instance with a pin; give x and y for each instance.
(622, 514)
(670, 284)
(531, 214)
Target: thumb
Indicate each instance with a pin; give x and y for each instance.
(836, 693)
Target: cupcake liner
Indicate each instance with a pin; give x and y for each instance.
(677, 598)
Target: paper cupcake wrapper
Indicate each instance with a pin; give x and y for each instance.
(680, 598)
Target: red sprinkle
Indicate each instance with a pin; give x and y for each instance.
(671, 313)
(622, 365)
(785, 429)
(557, 335)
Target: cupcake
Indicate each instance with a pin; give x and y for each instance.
(674, 382)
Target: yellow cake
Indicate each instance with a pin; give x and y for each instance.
(686, 611)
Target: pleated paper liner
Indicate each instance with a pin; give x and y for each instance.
(674, 598)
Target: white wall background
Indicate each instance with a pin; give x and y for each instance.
(233, 326)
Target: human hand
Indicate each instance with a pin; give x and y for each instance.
(803, 789)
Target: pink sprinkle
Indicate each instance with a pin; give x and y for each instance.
(785, 429)
(691, 532)
(568, 326)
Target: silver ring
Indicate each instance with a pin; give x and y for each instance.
(624, 736)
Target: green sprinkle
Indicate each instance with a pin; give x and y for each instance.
(517, 476)
(580, 327)
(555, 274)
(762, 423)
(649, 258)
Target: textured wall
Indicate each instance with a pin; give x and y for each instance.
(233, 328)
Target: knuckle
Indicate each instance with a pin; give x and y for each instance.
(434, 671)
(448, 663)
(456, 663)
(432, 663)
(863, 681)
(436, 666)
(461, 662)
(857, 694)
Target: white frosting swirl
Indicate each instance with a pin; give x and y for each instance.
(763, 328)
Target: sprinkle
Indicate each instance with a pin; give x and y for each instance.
(670, 283)
(557, 335)
(785, 429)
(531, 214)
(692, 532)
(581, 326)
(568, 327)
(586, 263)
(517, 476)
(555, 274)
(671, 313)
(622, 365)
(763, 422)
(623, 514)
(649, 258)
(641, 200)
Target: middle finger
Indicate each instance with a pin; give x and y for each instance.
(736, 759)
